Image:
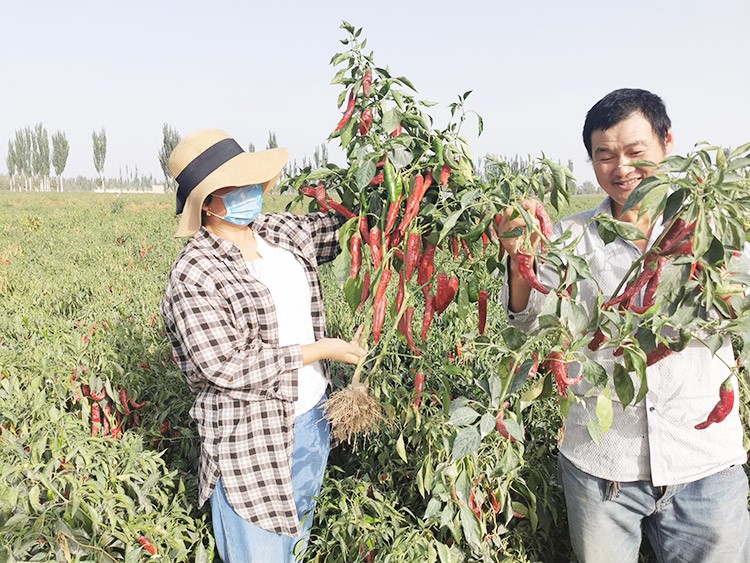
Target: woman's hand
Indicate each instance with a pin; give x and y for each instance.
(335, 349)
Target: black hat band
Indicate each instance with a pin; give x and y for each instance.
(203, 165)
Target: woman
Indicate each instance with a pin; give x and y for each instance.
(243, 309)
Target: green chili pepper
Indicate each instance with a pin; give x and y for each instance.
(478, 229)
(389, 176)
(437, 148)
(473, 290)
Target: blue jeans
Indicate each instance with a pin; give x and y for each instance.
(703, 521)
(238, 541)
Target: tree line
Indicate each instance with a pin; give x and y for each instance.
(31, 158)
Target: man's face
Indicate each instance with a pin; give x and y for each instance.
(612, 151)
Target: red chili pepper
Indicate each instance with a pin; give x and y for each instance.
(393, 209)
(722, 409)
(545, 223)
(365, 290)
(469, 255)
(375, 246)
(96, 419)
(321, 197)
(378, 179)
(380, 304)
(429, 312)
(355, 248)
(397, 131)
(147, 545)
(401, 291)
(454, 247)
(367, 83)
(599, 339)
(632, 289)
(124, 400)
(676, 235)
(348, 113)
(475, 507)
(482, 303)
(412, 253)
(98, 396)
(421, 185)
(485, 242)
(364, 229)
(339, 208)
(559, 367)
(501, 428)
(418, 388)
(659, 353)
(364, 125)
(526, 270)
(426, 268)
(405, 326)
(445, 291)
(649, 297)
(445, 174)
(105, 419)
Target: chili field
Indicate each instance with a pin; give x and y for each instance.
(98, 454)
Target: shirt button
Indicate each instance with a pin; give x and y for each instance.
(512, 317)
(652, 409)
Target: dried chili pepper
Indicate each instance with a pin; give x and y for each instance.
(475, 507)
(421, 185)
(557, 365)
(401, 290)
(105, 419)
(454, 247)
(147, 545)
(378, 179)
(545, 223)
(445, 174)
(364, 229)
(469, 255)
(599, 338)
(659, 353)
(445, 291)
(426, 268)
(348, 112)
(339, 208)
(649, 297)
(367, 83)
(355, 248)
(380, 304)
(429, 312)
(96, 419)
(365, 291)
(418, 388)
(632, 289)
(722, 409)
(405, 326)
(526, 270)
(412, 253)
(482, 304)
(393, 208)
(376, 249)
(485, 242)
(364, 124)
(321, 197)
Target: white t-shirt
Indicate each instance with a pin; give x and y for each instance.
(285, 278)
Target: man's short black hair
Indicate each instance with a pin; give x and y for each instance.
(621, 104)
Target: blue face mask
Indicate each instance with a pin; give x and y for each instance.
(243, 205)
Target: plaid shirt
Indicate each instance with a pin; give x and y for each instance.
(223, 328)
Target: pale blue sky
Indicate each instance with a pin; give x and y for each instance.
(534, 67)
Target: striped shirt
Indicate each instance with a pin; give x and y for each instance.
(654, 440)
(223, 329)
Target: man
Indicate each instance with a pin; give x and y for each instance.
(652, 471)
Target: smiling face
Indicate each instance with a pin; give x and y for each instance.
(614, 149)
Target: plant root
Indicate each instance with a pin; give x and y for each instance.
(352, 411)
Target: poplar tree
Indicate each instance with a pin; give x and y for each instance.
(169, 141)
(10, 162)
(100, 153)
(60, 150)
(40, 156)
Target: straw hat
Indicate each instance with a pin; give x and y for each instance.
(208, 160)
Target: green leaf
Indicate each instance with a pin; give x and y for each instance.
(463, 416)
(365, 173)
(348, 132)
(594, 430)
(353, 293)
(623, 385)
(401, 156)
(514, 429)
(448, 225)
(595, 374)
(467, 442)
(610, 228)
(604, 411)
(401, 448)
(486, 424)
(470, 527)
(391, 120)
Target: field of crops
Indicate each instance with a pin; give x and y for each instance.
(80, 281)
